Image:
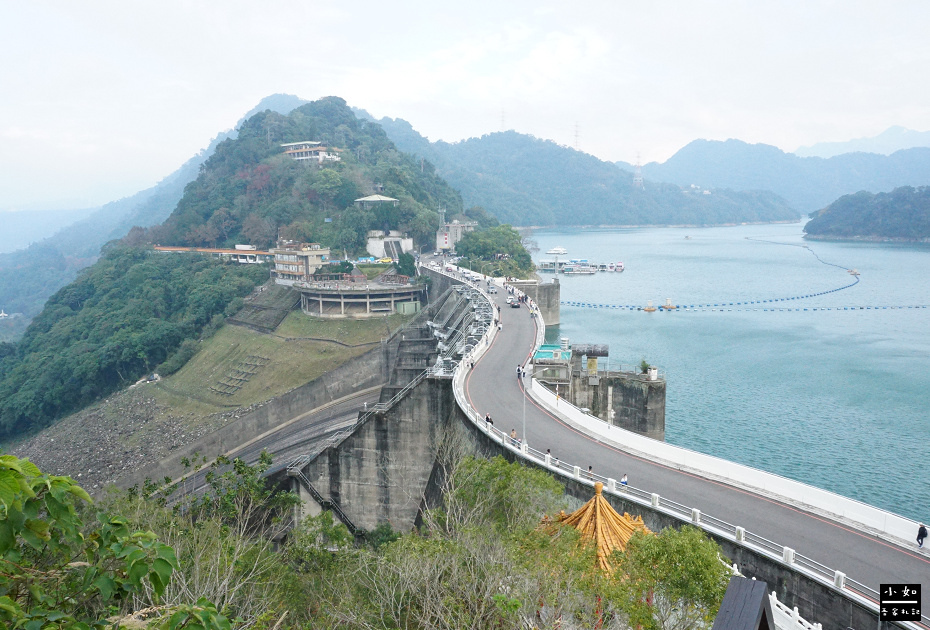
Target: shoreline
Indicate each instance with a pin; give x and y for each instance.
(866, 239)
(654, 225)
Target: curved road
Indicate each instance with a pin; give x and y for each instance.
(492, 387)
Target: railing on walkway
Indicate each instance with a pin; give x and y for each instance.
(856, 591)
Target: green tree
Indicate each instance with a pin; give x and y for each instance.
(58, 571)
(673, 581)
(406, 265)
(501, 245)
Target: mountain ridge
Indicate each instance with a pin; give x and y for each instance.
(893, 139)
(524, 180)
(808, 183)
(76, 246)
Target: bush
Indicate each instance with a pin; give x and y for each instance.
(179, 359)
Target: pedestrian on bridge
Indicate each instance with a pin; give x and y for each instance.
(513, 436)
(623, 480)
(921, 534)
(487, 419)
(518, 372)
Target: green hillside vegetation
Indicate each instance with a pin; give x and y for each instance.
(30, 275)
(496, 251)
(119, 320)
(249, 191)
(220, 560)
(133, 309)
(525, 181)
(903, 213)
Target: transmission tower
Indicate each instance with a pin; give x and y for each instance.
(638, 174)
(576, 136)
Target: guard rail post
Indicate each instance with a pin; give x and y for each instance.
(655, 500)
(788, 555)
(695, 516)
(611, 484)
(839, 579)
(740, 534)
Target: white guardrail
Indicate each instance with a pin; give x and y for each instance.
(891, 525)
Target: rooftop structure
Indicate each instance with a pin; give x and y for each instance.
(599, 522)
(374, 200)
(310, 150)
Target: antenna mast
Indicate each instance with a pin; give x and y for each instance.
(638, 174)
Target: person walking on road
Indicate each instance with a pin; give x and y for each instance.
(487, 419)
(623, 480)
(513, 436)
(518, 372)
(921, 534)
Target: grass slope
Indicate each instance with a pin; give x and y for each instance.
(146, 422)
(301, 349)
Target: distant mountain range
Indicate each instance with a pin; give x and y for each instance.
(23, 227)
(523, 180)
(29, 276)
(808, 183)
(889, 141)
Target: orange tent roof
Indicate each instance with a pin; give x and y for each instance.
(598, 521)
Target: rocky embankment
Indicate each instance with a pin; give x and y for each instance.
(102, 444)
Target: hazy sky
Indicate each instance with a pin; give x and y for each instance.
(99, 100)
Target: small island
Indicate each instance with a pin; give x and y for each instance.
(900, 215)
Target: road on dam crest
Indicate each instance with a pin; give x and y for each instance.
(492, 387)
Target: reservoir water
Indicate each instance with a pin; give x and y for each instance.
(836, 399)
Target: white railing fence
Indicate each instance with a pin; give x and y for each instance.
(856, 591)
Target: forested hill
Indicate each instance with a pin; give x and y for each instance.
(130, 312)
(808, 183)
(29, 276)
(526, 181)
(904, 213)
(249, 189)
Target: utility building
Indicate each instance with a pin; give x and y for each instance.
(310, 150)
(451, 233)
(297, 261)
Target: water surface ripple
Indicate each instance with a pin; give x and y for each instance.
(837, 399)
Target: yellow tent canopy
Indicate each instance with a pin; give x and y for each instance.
(596, 520)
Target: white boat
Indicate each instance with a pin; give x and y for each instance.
(618, 266)
(557, 251)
